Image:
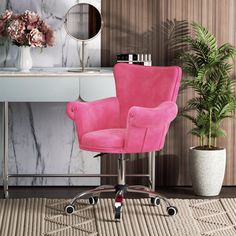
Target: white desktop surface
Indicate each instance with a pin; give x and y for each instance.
(55, 85)
(56, 71)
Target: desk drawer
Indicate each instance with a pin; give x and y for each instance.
(94, 87)
(43, 89)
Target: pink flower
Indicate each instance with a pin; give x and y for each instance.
(44, 27)
(49, 34)
(31, 19)
(36, 38)
(6, 15)
(16, 29)
(2, 28)
(50, 39)
(4, 18)
(26, 29)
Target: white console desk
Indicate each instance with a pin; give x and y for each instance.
(48, 85)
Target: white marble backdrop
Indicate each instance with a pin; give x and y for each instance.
(42, 139)
(67, 50)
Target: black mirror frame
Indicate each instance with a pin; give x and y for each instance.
(83, 40)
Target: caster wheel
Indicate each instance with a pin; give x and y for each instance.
(172, 210)
(69, 209)
(155, 201)
(118, 211)
(6, 194)
(117, 216)
(93, 200)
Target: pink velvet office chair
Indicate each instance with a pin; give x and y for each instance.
(135, 121)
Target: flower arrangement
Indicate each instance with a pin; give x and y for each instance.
(26, 29)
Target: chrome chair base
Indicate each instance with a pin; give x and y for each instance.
(94, 194)
(120, 190)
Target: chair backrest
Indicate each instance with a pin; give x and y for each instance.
(145, 86)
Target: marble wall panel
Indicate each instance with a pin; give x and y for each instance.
(42, 139)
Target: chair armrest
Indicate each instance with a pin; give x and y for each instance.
(96, 115)
(147, 127)
(152, 117)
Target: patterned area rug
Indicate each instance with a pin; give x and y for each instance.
(215, 217)
(37, 217)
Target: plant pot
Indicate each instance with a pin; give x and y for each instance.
(207, 169)
(24, 60)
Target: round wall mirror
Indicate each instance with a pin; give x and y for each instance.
(83, 21)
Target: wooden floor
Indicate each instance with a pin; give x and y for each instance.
(69, 192)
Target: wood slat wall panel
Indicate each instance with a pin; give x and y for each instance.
(134, 26)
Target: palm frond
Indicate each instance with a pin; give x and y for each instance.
(204, 35)
(210, 68)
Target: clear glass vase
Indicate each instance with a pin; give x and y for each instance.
(24, 59)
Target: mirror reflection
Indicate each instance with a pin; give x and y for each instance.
(83, 21)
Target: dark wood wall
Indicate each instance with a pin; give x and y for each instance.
(134, 26)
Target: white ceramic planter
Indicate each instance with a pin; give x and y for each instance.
(207, 169)
(24, 60)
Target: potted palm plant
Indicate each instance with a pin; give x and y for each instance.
(208, 68)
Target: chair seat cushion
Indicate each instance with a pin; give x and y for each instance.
(111, 140)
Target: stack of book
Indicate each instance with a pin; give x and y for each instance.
(140, 59)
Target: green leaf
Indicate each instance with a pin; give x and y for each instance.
(209, 67)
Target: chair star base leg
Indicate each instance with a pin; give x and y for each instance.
(94, 192)
(120, 191)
